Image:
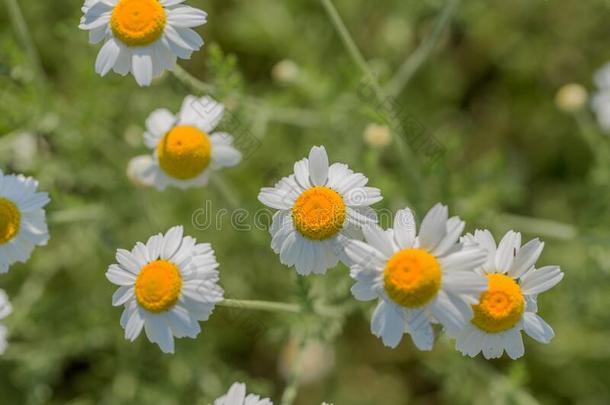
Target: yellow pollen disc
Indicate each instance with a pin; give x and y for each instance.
(158, 286)
(10, 220)
(319, 213)
(501, 306)
(138, 22)
(184, 152)
(412, 277)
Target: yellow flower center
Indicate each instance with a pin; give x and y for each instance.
(158, 286)
(138, 22)
(184, 152)
(319, 213)
(10, 220)
(412, 277)
(501, 306)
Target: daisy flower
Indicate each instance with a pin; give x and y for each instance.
(22, 219)
(416, 278)
(320, 207)
(143, 37)
(166, 285)
(509, 304)
(237, 396)
(185, 150)
(5, 310)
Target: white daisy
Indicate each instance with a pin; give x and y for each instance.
(167, 285)
(5, 310)
(416, 278)
(237, 396)
(22, 219)
(320, 207)
(509, 304)
(185, 149)
(143, 37)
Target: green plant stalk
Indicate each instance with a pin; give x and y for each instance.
(292, 385)
(416, 59)
(261, 305)
(23, 34)
(408, 162)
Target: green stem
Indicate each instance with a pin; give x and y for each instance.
(537, 226)
(23, 34)
(292, 385)
(225, 191)
(408, 162)
(286, 115)
(351, 46)
(420, 55)
(261, 305)
(191, 81)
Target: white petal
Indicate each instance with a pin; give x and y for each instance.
(467, 259)
(318, 165)
(276, 198)
(236, 394)
(448, 314)
(455, 227)
(225, 156)
(379, 239)
(540, 280)
(158, 123)
(134, 324)
(142, 67)
(493, 345)
(404, 228)
(119, 276)
(185, 16)
(513, 343)
(465, 282)
(128, 261)
(420, 329)
(171, 242)
(122, 295)
(363, 255)
(537, 328)
(433, 227)
(159, 332)
(388, 324)
(301, 173)
(362, 196)
(107, 57)
(526, 258)
(507, 249)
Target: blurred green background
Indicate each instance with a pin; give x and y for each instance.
(484, 90)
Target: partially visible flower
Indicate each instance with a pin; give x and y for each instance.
(144, 37)
(571, 97)
(509, 304)
(600, 102)
(24, 149)
(285, 71)
(22, 219)
(318, 360)
(5, 310)
(237, 396)
(377, 136)
(166, 285)
(319, 208)
(185, 148)
(417, 278)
